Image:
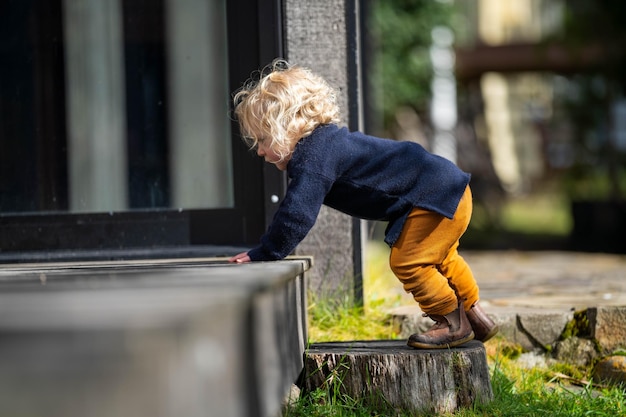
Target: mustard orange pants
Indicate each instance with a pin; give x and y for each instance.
(425, 259)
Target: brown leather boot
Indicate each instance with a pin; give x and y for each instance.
(450, 330)
(484, 328)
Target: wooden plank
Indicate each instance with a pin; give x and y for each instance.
(434, 381)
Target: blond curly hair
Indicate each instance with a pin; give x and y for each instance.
(283, 104)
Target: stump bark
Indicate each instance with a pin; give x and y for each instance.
(391, 373)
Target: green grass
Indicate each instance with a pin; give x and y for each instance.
(545, 391)
(556, 390)
(338, 322)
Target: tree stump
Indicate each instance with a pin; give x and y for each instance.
(392, 373)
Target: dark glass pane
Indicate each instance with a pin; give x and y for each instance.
(32, 117)
(146, 101)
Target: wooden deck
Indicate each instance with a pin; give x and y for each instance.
(150, 338)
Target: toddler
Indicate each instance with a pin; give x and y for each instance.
(289, 116)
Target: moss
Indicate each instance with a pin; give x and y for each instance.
(511, 351)
(597, 345)
(579, 326)
(573, 371)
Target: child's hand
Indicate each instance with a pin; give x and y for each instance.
(240, 258)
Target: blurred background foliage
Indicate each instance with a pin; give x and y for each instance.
(400, 31)
(562, 181)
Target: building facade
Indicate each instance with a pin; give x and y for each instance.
(116, 139)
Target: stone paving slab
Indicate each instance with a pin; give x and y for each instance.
(549, 279)
(533, 295)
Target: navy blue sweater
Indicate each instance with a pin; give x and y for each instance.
(363, 176)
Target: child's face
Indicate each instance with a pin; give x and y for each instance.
(266, 152)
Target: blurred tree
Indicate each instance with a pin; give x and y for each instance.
(400, 72)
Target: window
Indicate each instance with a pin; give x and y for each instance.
(114, 125)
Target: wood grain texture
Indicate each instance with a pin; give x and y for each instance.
(441, 380)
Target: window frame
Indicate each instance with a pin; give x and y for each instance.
(255, 38)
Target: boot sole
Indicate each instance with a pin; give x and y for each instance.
(420, 345)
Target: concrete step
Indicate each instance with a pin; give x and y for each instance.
(180, 338)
